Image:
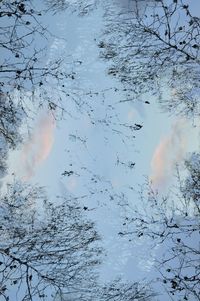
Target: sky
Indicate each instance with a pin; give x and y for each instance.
(98, 154)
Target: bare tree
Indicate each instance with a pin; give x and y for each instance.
(3, 159)
(172, 224)
(29, 81)
(119, 290)
(52, 252)
(11, 118)
(25, 72)
(46, 250)
(29, 78)
(21, 67)
(80, 6)
(191, 186)
(155, 49)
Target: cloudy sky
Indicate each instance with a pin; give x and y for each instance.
(93, 144)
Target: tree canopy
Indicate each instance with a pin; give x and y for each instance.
(52, 251)
(154, 50)
(171, 225)
(49, 248)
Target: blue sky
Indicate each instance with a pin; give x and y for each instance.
(99, 155)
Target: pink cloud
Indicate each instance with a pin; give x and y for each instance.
(170, 151)
(36, 150)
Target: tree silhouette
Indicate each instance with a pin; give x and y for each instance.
(21, 27)
(11, 118)
(155, 50)
(26, 76)
(172, 224)
(10, 137)
(52, 251)
(45, 249)
(118, 290)
(80, 6)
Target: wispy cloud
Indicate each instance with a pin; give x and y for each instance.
(38, 147)
(72, 184)
(170, 151)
